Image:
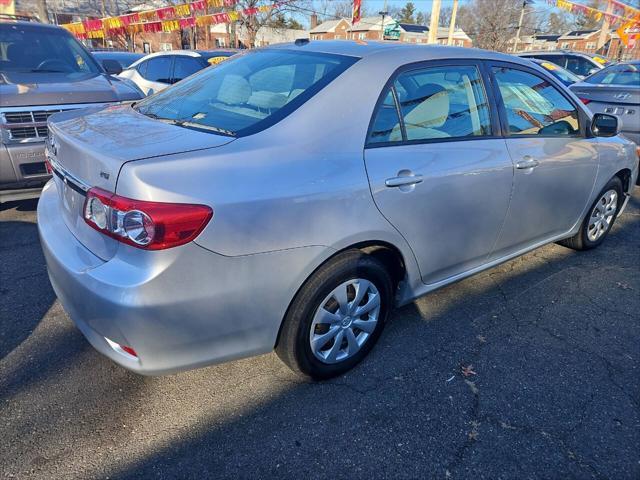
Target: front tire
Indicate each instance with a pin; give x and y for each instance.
(599, 219)
(337, 316)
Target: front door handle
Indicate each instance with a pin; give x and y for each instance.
(403, 180)
(527, 162)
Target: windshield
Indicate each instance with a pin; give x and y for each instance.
(246, 93)
(24, 48)
(622, 74)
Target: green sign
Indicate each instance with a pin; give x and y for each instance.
(392, 31)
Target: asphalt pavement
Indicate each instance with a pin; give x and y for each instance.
(528, 370)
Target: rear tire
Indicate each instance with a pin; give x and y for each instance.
(599, 218)
(337, 316)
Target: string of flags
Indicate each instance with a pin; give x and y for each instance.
(622, 12)
(627, 17)
(165, 19)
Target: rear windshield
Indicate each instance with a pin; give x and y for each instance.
(246, 93)
(24, 48)
(623, 74)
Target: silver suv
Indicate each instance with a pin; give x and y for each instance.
(43, 70)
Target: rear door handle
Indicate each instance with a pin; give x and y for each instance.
(527, 162)
(403, 180)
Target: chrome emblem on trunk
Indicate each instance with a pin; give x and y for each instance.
(622, 96)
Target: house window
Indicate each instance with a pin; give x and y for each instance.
(591, 46)
(564, 45)
(165, 47)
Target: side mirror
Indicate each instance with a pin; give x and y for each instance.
(604, 125)
(111, 67)
(593, 70)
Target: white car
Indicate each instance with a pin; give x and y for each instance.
(157, 71)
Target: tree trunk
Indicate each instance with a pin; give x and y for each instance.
(43, 12)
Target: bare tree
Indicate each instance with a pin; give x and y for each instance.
(253, 23)
(492, 23)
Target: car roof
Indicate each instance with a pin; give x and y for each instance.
(7, 22)
(552, 52)
(106, 53)
(388, 50)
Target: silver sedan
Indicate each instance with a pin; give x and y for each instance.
(615, 90)
(290, 197)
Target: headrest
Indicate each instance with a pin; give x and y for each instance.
(234, 90)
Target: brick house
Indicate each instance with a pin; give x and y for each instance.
(580, 40)
(331, 30)
(370, 28)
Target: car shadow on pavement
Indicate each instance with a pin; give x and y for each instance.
(24, 285)
(527, 370)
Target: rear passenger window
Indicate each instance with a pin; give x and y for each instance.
(185, 66)
(435, 103)
(159, 69)
(534, 106)
(386, 120)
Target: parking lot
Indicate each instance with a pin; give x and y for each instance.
(531, 369)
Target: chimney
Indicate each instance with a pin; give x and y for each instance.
(314, 21)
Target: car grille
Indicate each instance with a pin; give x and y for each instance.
(19, 126)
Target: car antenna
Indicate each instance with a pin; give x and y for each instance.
(300, 42)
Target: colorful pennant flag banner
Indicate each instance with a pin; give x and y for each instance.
(165, 19)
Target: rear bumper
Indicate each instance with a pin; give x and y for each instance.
(179, 308)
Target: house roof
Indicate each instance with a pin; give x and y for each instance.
(411, 28)
(328, 26)
(547, 38)
(575, 34)
(372, 23)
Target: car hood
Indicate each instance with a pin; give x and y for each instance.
(93, 144)
(32, 89)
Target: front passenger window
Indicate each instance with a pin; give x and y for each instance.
(534, 106)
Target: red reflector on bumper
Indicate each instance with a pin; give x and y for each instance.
(123, 350)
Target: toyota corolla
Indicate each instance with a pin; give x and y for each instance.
(292, 196)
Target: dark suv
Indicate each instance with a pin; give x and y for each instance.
(578, 63)
(43, 70)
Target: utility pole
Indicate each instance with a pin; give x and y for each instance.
(43, 12)
(606, 24)
(452, 24)
(435, 21)
(383, 13)
(524, 6)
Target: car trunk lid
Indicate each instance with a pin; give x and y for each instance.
(88, 149)
(609, 94)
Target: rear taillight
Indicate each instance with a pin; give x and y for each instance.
(148, 225)
(586, 101)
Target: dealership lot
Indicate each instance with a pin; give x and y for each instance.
(549, 344)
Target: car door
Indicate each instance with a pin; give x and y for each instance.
(438, 169)
(157, 74)
(184, 66)
(555, 162)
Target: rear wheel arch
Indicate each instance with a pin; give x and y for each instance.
(386, 253)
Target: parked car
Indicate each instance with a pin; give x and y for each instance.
(57, 74)
(615, 90)
(115, 62)
(291, 197)
(157, 71)
(565, 76)
(579, 63)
